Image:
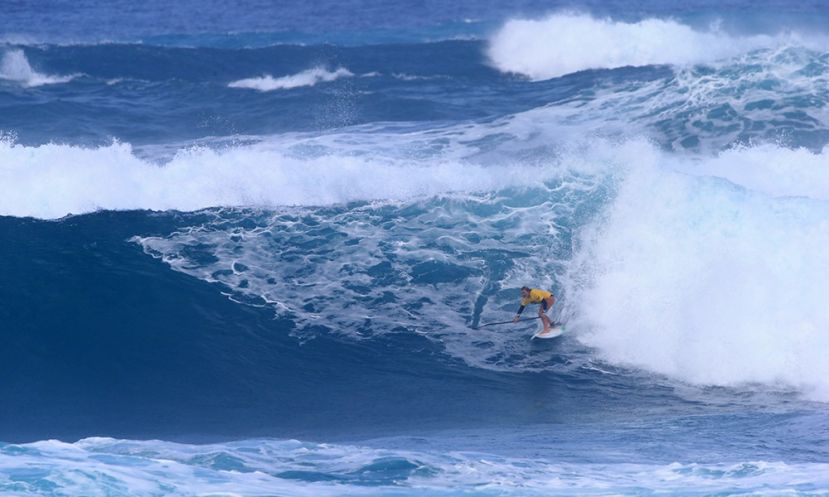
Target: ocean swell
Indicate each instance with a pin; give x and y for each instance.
(689, 267)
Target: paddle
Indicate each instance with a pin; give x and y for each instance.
(508, 322)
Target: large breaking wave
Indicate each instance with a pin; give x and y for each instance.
(707, 267)
(708, 280)
(664, 266)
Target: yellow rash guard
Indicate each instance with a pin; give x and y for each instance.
(536, 297)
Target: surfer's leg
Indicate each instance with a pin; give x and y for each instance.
(542, 313)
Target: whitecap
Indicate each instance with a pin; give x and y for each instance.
(310, 77)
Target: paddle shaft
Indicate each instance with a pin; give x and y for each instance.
(508, 322)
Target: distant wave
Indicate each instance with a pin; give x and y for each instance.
(565, 43)
(51, 181)
(15, 67)
(309, 77)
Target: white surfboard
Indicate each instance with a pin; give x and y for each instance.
(555, 331)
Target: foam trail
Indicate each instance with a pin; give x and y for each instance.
(708, 281)
(15, 67)
(51, 181)
(566, 43)
(309, 77)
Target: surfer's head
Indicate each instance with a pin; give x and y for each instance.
(525, 291)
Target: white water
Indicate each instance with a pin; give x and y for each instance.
(310, 77)
(564, 43)
(103, 466)
(709, 281)
(14, 66)
(51, 181)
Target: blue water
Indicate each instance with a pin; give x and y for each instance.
(247, 250)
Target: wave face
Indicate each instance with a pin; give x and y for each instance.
(251, 251)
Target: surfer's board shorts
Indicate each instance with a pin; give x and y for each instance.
(544, 304)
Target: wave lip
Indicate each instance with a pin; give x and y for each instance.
(565, 43)
(309, 77)
(15, 67)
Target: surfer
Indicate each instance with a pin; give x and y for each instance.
(535, 296)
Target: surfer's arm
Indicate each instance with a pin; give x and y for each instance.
(518, 314)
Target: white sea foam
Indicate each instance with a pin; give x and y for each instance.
(50, 181)
(564, 43)
(308, 77)
(772, 170)
(14, 66)
(711, 281)
(104, 466)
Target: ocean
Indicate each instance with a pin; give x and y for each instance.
(247, 248)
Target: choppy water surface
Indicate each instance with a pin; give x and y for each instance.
(246, 252)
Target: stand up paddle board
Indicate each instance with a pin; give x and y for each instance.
(555, 331)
